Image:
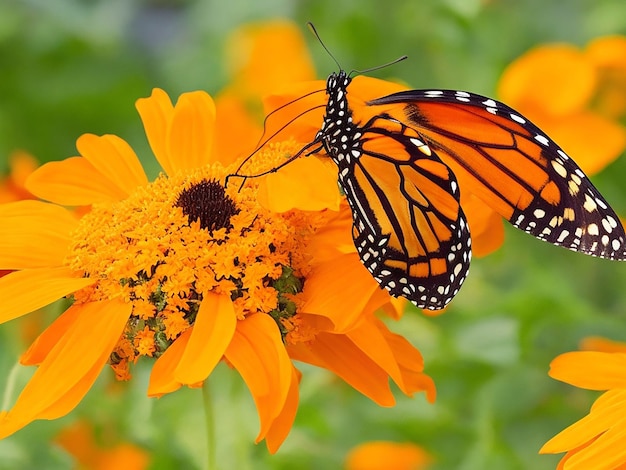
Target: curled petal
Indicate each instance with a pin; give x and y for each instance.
(212, 331)
(281, 426)
(339, 355)
(258, 354)
(163, 375)
(370, 340)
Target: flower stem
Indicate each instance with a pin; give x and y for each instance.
(8, 391)
(209, 417)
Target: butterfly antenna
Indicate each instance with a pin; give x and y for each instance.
(388, 64)
(314, 31)
(264, 142)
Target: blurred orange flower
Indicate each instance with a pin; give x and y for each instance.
(597, 440)
(79, 441)
(379, 455)
(600, 344)
(21, 165)
(261, 57)
(575, 96)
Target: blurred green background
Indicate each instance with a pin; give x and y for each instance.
(68, 67)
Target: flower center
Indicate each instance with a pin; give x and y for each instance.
(180, 237)
(207, 203)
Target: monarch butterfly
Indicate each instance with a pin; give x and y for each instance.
(403, 160)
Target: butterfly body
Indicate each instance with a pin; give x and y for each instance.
(403, 160)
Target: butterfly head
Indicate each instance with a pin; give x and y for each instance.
(337, 81)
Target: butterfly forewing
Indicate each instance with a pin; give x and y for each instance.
(507, 161)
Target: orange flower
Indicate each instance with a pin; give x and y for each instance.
(376, 455)
(597, 343)
(597, 440)
(608, 54)
(21, 165)
(190, 271)
(79, 441)
(574, 95)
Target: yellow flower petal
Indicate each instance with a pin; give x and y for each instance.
(162, 377)
(343, 303)
(591, 370)
(301, 105)
(72, 397)
(44, 343)
(335, 237)
(339, 355)
(115, 159)
(34, 234)
(308, 184)
(258, 354)
(608, 451)
(72, 182)
(190, 141)
(557, 79)
(212, 331)
(234, 141)
(602, 417)
(156, 113)
(67, 372)
(21, 292)
(411, 365)
(281, 426)
(369, 339)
